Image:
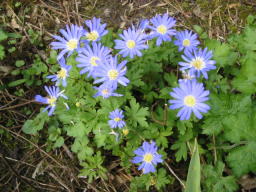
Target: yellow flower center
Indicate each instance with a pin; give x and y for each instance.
(92, 36)
(125, 132)
(161, 29)
(62, 73)
(198, 63)
(112, 74)
(130, 44)
(78, 104)
(104, 91)
(148, 157)
(152, 181)
(52, 101)
(190, 100)
(186, 42)
(117, 119)
(72, 44)
(93, 60)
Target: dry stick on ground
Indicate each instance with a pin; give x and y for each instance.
(18, 105)
(12, 132)
(42, 152)
(59, 181)
(170, 169)
(25, 179)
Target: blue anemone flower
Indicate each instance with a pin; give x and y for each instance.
(53, 94)
(97, 30)
(186, 76)
(190, 97)
(186, 40)
(132, 42)
(89, 58)
(111, 73)
(61, 76)
(70, 42)
(147, 154)
(106, 92)
(197, 62)
(143, 24)
(116, 117)
(162, 28)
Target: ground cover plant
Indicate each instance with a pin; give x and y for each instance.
(146, 100)
(156, 64)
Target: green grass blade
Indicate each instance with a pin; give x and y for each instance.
(193, 178)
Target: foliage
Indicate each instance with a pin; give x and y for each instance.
(215, 181)
(228, 128)
(193, 178)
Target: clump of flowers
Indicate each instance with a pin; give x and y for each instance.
(109, 71)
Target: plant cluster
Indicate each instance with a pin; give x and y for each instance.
(117, 102)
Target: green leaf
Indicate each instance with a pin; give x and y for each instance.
(59, 142)
(93, 168)
(19, 63)
(181, 146)
(80, 146)
(240, 127)
(33, 126)
(3, 35)
(214, 181)
(137, 114)
(162, 179)
(17, 82)
(198, 29)
(250, 19)
(245, 80)
(2, 52)
(223, 106)
(77, 130)
(181, 152)
(242, 159)
(222, 53)
(193, 177)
